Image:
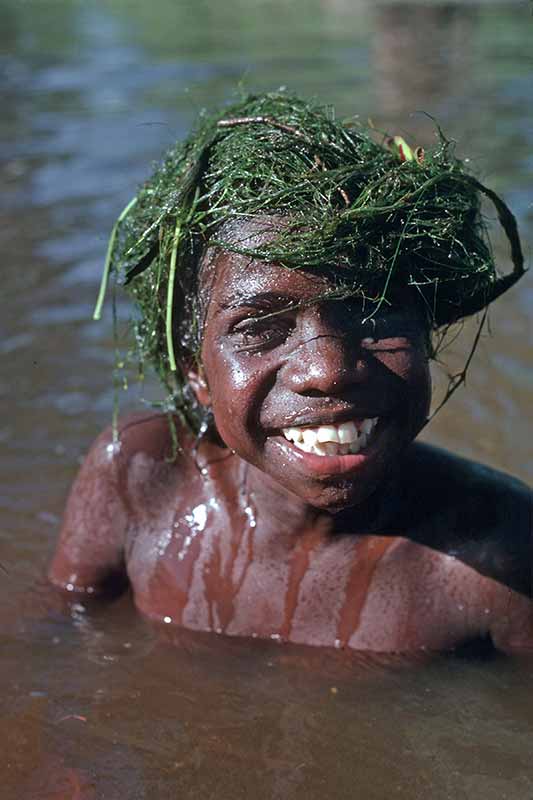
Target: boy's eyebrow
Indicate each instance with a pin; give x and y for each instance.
(260, 300)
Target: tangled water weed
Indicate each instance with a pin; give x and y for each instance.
(374, 213)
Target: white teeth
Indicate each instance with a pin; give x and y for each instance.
(331, 448)
(293, 434)
(332, 440)
(368, 425)
(309, 436)
(327, 433)
(347, 433)
(354, 447)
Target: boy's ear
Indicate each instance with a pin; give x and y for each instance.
(199, 386)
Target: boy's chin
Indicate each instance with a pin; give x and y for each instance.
(331, 495)
(334, 499)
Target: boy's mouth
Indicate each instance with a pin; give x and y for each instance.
(346, 438)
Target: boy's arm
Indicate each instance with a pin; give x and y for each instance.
(512, 628)
(513, 632)
(89, 557)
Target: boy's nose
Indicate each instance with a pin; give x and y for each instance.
(327, 364)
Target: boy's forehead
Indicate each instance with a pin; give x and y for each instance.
(231, 279)
(237, 278)
(231, 276)
(238, 281)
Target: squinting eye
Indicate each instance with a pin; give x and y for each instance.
(389, 327)
(257, 333)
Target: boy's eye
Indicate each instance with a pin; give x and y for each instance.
(390, 326)
(256, 333)
(379, 326)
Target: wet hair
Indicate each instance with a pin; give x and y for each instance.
(366, 208)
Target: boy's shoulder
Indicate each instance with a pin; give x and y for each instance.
(452, 477)
(153, 438)
(149, 432)
(470, 510)
(156, 452)
(122, 470)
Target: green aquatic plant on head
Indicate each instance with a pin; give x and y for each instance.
(376, 214)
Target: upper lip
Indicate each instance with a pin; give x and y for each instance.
(328, 417)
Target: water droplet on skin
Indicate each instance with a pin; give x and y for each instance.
(112, 449)
(196, 522)
(198, 517)
(164, 542)
(252, 522)
(203, 428)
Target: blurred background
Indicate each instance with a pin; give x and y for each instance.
(93, 91)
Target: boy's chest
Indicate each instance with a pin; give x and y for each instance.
(206, 567)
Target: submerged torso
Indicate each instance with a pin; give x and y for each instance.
(207, 552)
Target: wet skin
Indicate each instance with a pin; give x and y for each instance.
(397, 548)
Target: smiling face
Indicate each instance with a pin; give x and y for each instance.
(318, 394)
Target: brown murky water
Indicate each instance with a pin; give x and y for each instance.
(93, 704)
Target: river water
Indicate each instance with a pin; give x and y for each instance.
(94, 705)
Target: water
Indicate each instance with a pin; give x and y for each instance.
(93, 704)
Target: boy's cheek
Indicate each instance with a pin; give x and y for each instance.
(226, 372)
(411, 366)
(230, 401)
(405, 361)
(237, 387)
(233, 433)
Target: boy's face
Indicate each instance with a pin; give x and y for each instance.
(280, 384)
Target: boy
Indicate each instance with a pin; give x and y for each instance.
(289, 272)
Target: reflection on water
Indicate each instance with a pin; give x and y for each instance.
(92, 93)
(421, 54)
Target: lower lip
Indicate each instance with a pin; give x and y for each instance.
(323, 465)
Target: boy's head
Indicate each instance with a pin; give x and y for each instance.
(278, 184)
(293, 372)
